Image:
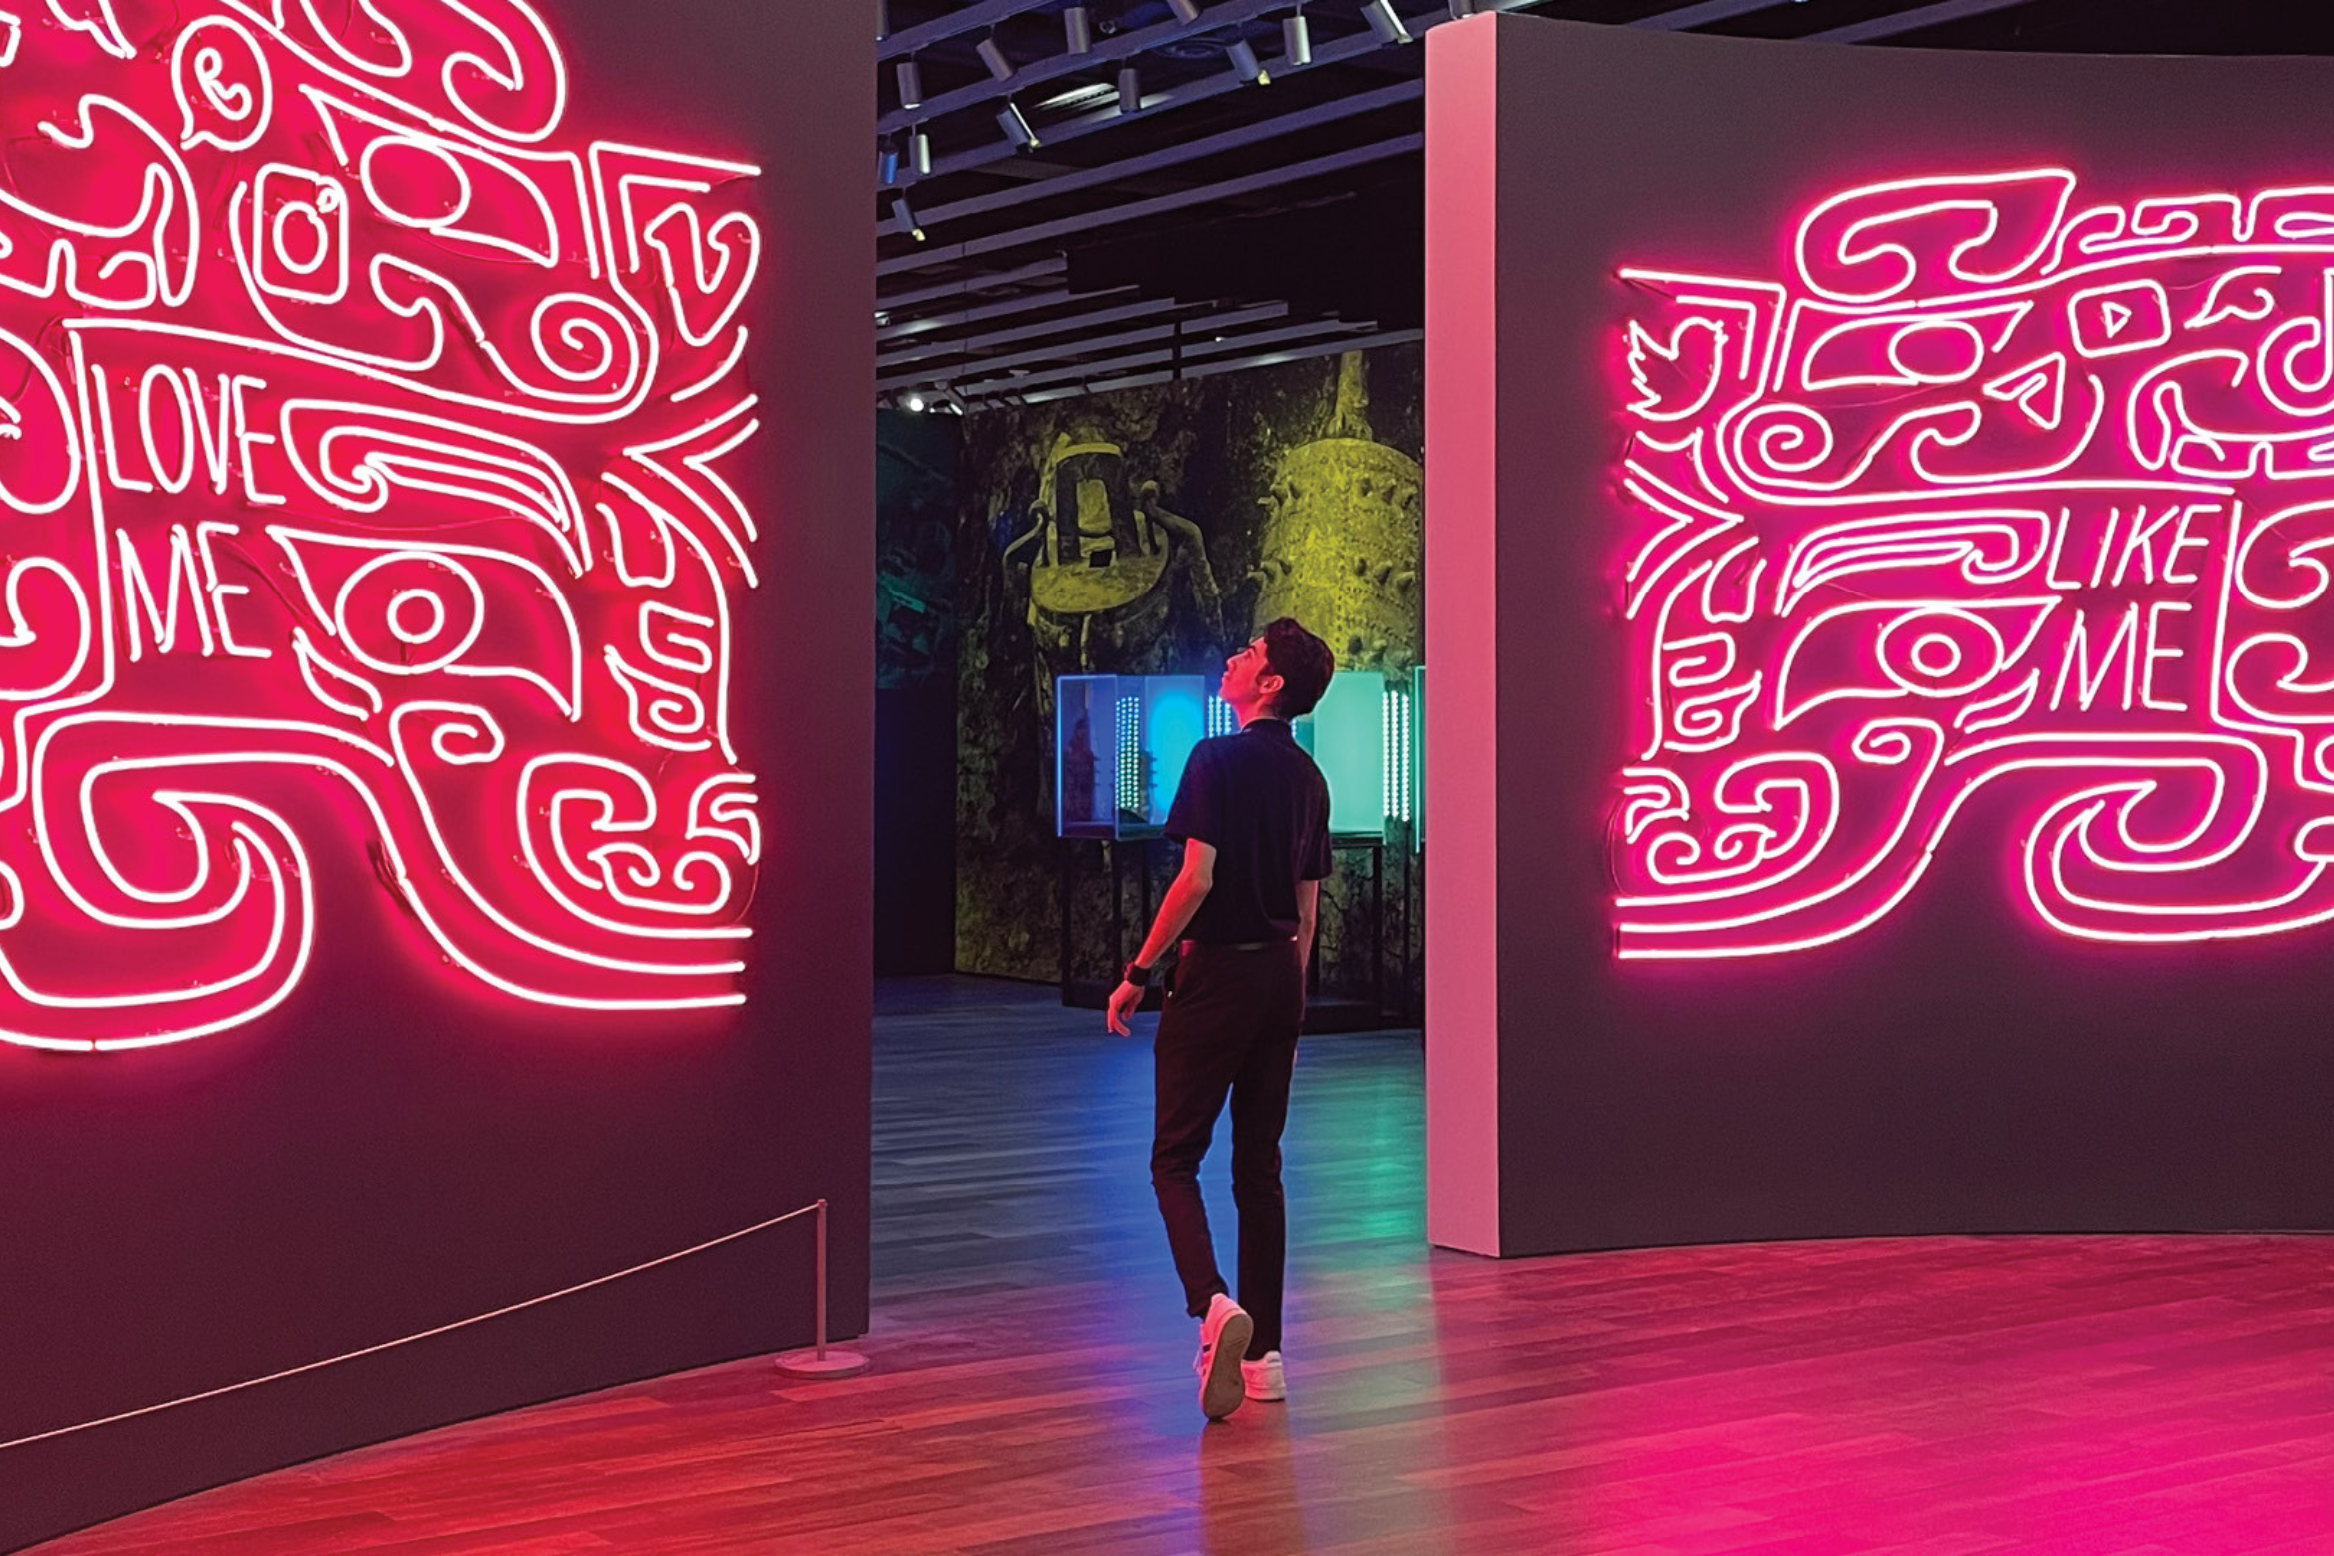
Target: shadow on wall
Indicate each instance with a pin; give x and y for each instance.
(1151, 531)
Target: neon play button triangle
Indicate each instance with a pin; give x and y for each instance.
(2039, 388)
(2115, 316)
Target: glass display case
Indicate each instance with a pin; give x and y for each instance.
(1120, 745)
(1121, 741)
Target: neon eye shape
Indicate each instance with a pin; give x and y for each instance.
(421, 610)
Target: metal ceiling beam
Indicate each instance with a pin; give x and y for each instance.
(971, 19)
(1909, 21)
(1106, 52)
(973, 345)
(1021, 237)
(1339, 51)
(1061, 386)
(986, 311)
(1061, 350)
(1045, 269)
(1184, 351)
(1702, 15)
(1169, 156)
(1299, 353)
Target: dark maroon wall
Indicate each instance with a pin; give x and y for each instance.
(389, 1151)
(1957, 1068)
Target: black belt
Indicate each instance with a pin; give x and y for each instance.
(1190, 946)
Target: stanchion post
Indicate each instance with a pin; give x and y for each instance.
(821, 1361)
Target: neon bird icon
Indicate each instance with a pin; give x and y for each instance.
(369, 448)
(2003, 488)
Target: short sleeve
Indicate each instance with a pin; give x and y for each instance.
(1317, 848)
(1198, 811)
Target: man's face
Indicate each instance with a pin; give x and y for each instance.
(1248, 676)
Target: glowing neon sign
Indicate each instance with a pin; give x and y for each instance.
(2009, 500)
(363, 438)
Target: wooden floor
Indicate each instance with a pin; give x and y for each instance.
(2091, 1396)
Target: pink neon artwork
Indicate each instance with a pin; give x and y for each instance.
(2010, 500)
(364, 446)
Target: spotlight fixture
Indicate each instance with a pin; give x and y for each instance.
(1185, 10)
(1385, 21)
(882, 20)
(1078, 30)
(914, 402)
(1462, 9)
(1296, 42)
(905, 215)
(920, 153)
(994, 57)
(887, 164)
(1016, 128)
(911, 80)
(1244, 61)
(1130, 90)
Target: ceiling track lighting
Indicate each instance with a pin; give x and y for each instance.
(1185, 10)
(920, 153)
(1016, 127)
(882, 20)
(1462, 9)
(911, 79)
(1296, 42)
(1385, 21)
(905, 214)
(887, 164)
(1130, 90)
(1078, 30)
(994, 57)
(1245, 62)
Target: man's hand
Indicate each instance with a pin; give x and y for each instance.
(1123, 1002)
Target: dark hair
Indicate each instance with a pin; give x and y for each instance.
(1303, 663)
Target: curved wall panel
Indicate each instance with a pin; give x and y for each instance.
(434, 797)
(1877, 514)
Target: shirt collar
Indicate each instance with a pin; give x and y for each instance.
(1268, 725)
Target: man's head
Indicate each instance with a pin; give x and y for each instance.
(1281, 674)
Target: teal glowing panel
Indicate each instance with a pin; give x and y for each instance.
(1349, 744)
(1174, 720)
(1418, 758)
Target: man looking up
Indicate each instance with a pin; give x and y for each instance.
(1252, 814)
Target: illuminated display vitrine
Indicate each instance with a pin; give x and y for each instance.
(1120, 744)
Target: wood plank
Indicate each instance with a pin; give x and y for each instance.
(2157, 1396)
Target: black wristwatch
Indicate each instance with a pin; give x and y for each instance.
(1138, 975)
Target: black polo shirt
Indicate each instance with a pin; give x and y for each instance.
(1258, 798)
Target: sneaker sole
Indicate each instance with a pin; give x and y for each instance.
(1222, 1391)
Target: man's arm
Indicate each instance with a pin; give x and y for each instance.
(1308, 920)
(1185, 893)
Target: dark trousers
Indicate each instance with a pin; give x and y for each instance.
(1229, 1026)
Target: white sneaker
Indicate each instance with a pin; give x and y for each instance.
(1264, 1379)
(1223, 1340)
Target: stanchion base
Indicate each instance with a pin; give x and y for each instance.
(837, 1363)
